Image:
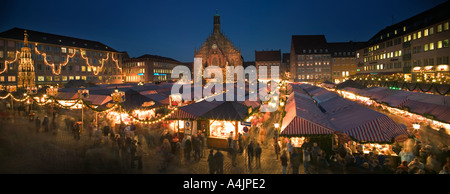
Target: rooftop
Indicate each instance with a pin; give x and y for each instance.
(42, 37)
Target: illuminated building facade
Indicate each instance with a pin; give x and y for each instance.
(149, 69)
(268, 59)
(57, 59)
(413, 50)
(343, 59)
(309, 58)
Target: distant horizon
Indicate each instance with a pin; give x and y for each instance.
(174, 29)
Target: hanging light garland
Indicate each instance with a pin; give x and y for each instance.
(9, 62)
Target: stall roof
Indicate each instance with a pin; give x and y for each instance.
(325, 96)
(366, 125)
(397, 99)
(303, 117)
(193, 111)
(98, 99)
(227, 110)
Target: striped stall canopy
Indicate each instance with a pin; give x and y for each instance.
(181, 114)
(379, 130)
(299, 126)
(364, 124)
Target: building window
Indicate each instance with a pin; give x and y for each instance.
(419, 34)
(64, 50)
(425, 47)
(64, 78)
(439, 28)
(432, 46)
(77, 77)
(1, 54)
(11, 78)
(445, 43)
(425, 32)
(70, 77)
(439, 44)
(446, 26)
(83, 68)
(431, 30)
(49, 78)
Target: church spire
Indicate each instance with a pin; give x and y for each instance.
(25, 39)
(216, 23)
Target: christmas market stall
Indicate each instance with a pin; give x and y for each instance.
(304, 120)
(185, 120)
(226, 120)
(363, 125)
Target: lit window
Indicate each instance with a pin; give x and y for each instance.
(409, 37)
(439, 28)
(431, 46)
(83, 77)
(414, 36)
(425, 47)
(439, 44)
(425, 32)
(83, 68)
(77, 77)
(70, 51)
(446, 26)
(445, 43)
(400, 53)
(49, 78)
(431, 30)
(419, 34)
(64, 78)
(70, 77)
(64, 50)
(40, 78)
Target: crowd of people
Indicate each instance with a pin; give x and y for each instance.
(410, 158)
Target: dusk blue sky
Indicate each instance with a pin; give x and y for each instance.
(175, 28)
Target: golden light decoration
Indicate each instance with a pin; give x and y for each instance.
(8, 62)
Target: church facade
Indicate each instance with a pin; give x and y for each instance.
(218, 50)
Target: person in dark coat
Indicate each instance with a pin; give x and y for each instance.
(258, 151)
(250, 153)
(211, 162)
(188, 149)
(196, 145)
(38, 124)
(45, 123)
(218, 157)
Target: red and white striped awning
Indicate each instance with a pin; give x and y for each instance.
(181, 114)
(299, 126)
(382, 129)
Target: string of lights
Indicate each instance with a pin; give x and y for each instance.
(9, 62)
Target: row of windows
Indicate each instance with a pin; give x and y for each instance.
(59, 49)
(57, 78)
(313, 57)
(316, 76)
(426, 32)
(341, 74)
(439, 44)
(40, 67)
(314, 63)
(396, 65)
(384, 56)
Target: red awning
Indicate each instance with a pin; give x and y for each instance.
(300, 126)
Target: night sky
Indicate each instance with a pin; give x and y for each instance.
(175, 28)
